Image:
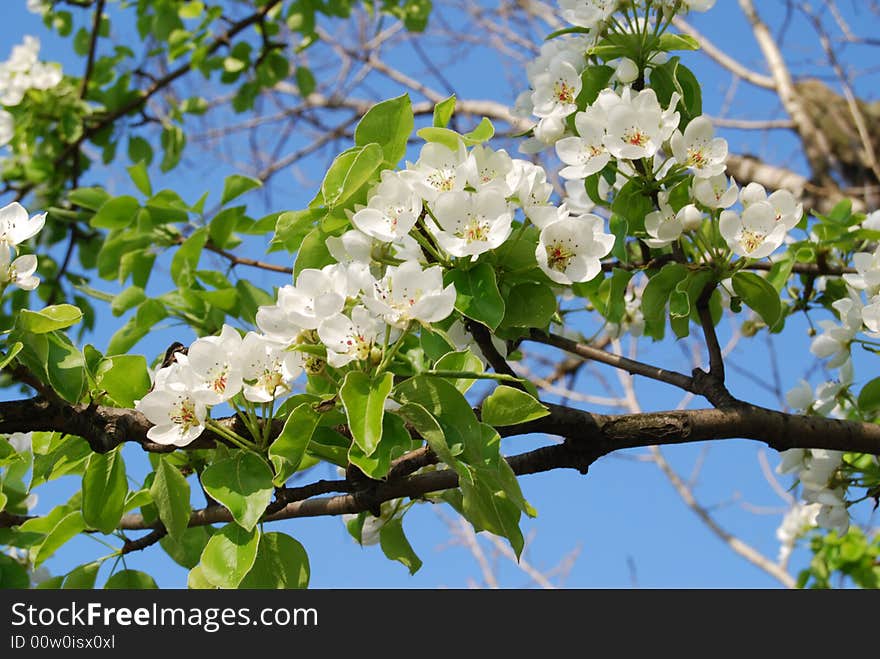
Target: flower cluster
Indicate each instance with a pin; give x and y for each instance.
(817, 471)
(800, 518)
(21, 72)
(387, 278)
(16, 227)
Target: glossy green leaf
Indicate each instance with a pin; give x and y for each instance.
(140, 178)
(395, 442)
(443, 112)
(125, 378)
(185, 261)
(236, 185)
(670, 41)
(229, 556)
(507, 406)
(65, 367)
(529, 304)
(188, 550)
(55, 317)
(82, 577)
(12, 574)
(116, 213)
(656, 295)
(350, 171)
(759, 295)
(364, 402)
(388, 124)
(104, 487)
(869, 396)
(64, 529)
(477, 295)
(281, 563)
(287, 451)
(130, 580)
(170, 494)
(396, 547)
(242, 483)
(463, 360)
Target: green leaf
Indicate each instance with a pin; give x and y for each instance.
(104, 487)
(65, 367)
(229, 556)
(633, 203)
(141, 179)
(59, 316)
(443, 112)
(396, 547)
(593, 80)
(364, 402)
(448, 138)
(173, 141)
(188, 551)
(869, 396)
(656, 295)
(529, 304)
(125, 378)
(236, 185)
(395, 442)
(477, 294)
(196, 580)
(464, 360)
(429, 428)
(351, 171)
(14, 349)
(89, 198)
(287, 451)
(222, 225)
(131, 580)
(759, 295)
(281, 563)
(82, 577)
(675, 77)
(388, 124)
(127, 299)
(185, 261)
(63, 530)
(12, 574)
(305, 81)
(291, 227)
(671, 41)
(170, 493)
(482, 133)
(507, 406)
(242, 483)
(313, 252)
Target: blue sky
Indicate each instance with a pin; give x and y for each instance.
(626, 519)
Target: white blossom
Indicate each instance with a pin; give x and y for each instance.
(217, 361)
(716, 191)
(486, 168)
(267, 368)
(867, 264)
(569, 250)
(177, 405)
(408, 293)
(699, 149)
(392, 209)
(585, 154)
(835, 340)
(556, 90)
(471, 223)
(348, 339)
(7, 127)
(637, 126)
(755, 233)
(438, 169)
(16, 226)
(20, 271)
(587, 13)
(798, 520)
(785, 206)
